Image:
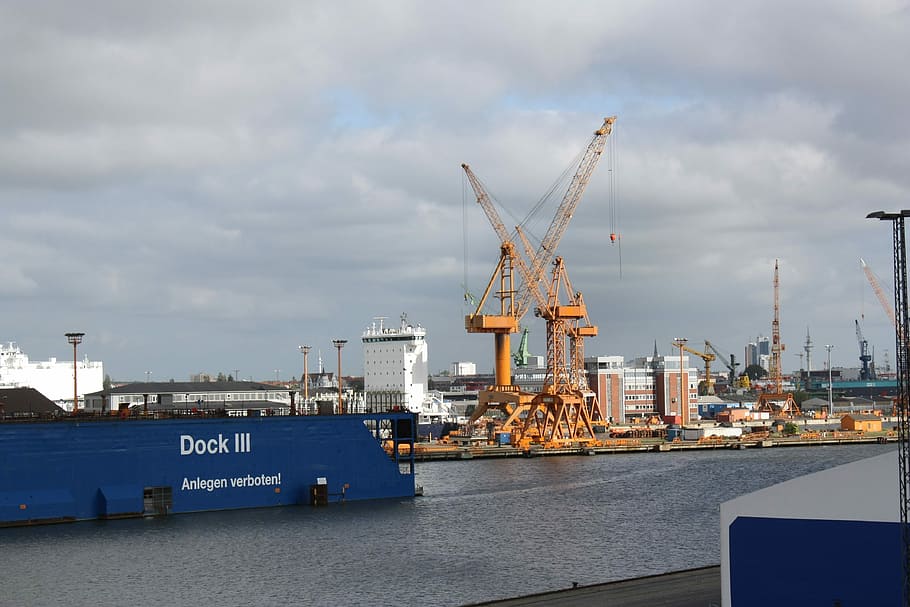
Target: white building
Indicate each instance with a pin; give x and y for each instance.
(460, 369)
(53, 378)
(395, 366)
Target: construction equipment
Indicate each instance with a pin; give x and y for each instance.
(521, 356)
(877, 289)
(731, 364)
(867, 371)
(503, 395)
(777, 401)
(546, 251)
(560, 415)
(708, 359)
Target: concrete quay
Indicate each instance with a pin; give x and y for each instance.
(446, 451)
(688, 588)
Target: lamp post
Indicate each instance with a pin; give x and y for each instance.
(680, 343)
(902, 323)
(305, 350)
(828, 349)
(75, 339)
(339, 344)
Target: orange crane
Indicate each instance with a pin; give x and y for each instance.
(777, 401)
(503, 394)
(560, 414)
(546, 251)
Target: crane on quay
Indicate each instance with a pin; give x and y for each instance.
(777, 401)
(879, 293)
(731, 364)
(707, 358)
(867, 371)
(547, 418)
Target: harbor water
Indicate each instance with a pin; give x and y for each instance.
(484, 529)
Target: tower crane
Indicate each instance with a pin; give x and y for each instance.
(867, 372)
(521, 356)
(876, 287)
(731, 364)
(708, 358)
(777, 401)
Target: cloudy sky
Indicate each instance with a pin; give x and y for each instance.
(203, 186)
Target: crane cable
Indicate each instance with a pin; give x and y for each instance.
(614, 228)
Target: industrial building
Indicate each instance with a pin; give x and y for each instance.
(645, 386)
(231, 397)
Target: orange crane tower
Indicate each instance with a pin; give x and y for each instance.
(503, 394)
(559, 415)
(777, 401)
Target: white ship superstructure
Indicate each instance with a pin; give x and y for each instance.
(53, 378)
(395, 368)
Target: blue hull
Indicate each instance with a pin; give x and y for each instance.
(79, 470)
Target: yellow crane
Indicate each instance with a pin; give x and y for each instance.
(708, 358)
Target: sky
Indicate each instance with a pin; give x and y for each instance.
(204, 186)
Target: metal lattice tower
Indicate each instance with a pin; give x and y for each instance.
(903, 380)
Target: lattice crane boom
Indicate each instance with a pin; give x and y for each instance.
(502, 280)
(879, 293)
(730, 364)
(547, 249)
(776, 346)
(483, 199)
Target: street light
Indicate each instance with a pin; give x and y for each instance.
(75, 339)
(339, 344)
(305, 350)
(828, 348)
(680, 342)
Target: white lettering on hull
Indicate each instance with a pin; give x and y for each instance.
(190, 445)
(238, 482)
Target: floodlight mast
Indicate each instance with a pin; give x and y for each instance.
(75, 339)
(899, 238)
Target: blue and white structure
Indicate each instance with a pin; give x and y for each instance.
(828, 538)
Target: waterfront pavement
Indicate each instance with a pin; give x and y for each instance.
(689, 588)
